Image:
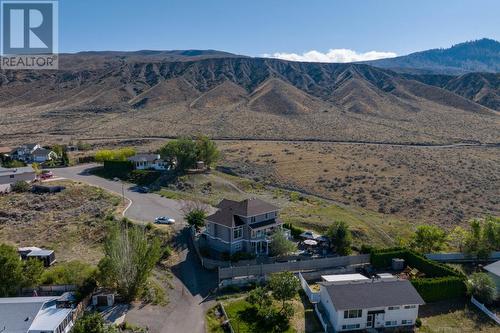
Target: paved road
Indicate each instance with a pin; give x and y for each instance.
(191, 282)
(145, 207)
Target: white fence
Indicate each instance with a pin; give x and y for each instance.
(314, 297)
(320, 317)
(292, 266)
(459, 257)
(485, 310)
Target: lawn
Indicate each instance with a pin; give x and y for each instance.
(243, 316)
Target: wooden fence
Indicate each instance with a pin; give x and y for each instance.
(292, 266)
(485, 310)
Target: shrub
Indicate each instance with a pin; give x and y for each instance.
(20, 186)
(71, 272)
(437, 289)
(482, 287)
(418, 322)
(120, 169)
(144, 177)
(294, 230)
(242, 256)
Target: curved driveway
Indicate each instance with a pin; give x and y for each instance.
(144, 207)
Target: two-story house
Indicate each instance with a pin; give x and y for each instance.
(243, 226)
(389, 304)
(33, 152)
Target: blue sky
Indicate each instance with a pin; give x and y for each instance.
(256, 27)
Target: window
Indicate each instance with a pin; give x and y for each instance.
(237, 246)
(252, 219)
(11, 176)
(410, 306)
(238, 233)
(393, 308)
(350, 326)
(406, 322)
(391, 323)
(353, 313)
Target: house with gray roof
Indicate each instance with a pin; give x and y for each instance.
(35, 315)
(493, 270)
(389, 304)
(242, 226)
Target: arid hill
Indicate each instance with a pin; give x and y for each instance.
(156, 93)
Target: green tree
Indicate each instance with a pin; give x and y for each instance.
(92, 323)
(32, 272)
(195, 213)
(183, 151)
(280, 245)
(130, 256)
(260, 299)
(207, 151)
(429, 238)
(482, 287)
(340, 237)
(284, 287)
(11, 271)
(458, 237)
(484, 237)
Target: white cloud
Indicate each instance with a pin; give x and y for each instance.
(333, 55)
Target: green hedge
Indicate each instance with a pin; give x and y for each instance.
(144, 177)
(120, 169)
(441, 282)
(295, 231)
(442, 288)
(383, 259)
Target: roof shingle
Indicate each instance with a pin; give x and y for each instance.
(365, 295)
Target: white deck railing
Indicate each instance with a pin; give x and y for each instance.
(485, 310)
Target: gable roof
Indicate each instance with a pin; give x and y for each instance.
(144, 158)
(493, 268)
(366, 295)
(228, 209)
(41, 152)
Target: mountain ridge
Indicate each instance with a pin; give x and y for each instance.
(482, 55)
(245, 97)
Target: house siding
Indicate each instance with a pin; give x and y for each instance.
(337, 319)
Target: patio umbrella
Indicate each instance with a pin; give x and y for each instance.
(310, 242)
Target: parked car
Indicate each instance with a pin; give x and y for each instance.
(164, 220)
(46, 175)
(142, 189)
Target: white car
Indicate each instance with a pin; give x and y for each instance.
(164, 220)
